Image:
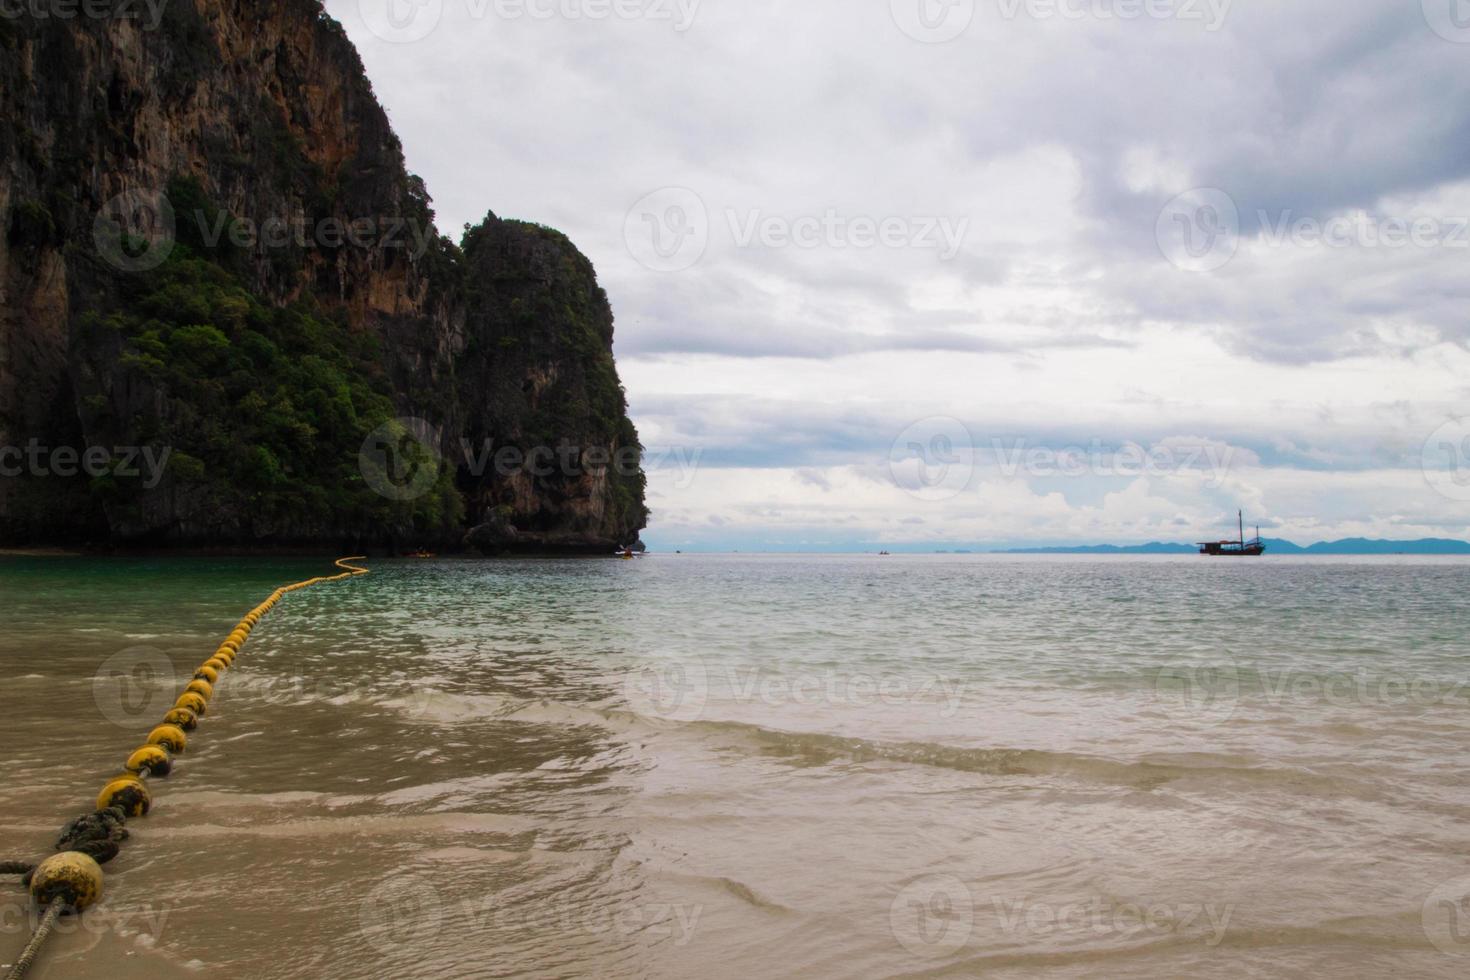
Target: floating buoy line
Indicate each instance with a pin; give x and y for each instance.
(70, 881)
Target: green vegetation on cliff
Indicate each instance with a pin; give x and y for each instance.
(264, 408)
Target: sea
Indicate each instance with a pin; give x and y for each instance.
(756, 766)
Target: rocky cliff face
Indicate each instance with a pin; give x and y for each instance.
(212, 251)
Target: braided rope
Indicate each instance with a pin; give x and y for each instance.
(102, 849)
(33, 948)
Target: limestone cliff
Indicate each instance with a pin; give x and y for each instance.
(212, 249)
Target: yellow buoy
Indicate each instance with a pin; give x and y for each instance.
(171, 737)
(71, 878)
(207, 672)
(191, 701)
(127, 792)
(202, 688)
(152, 759)
(185, 718)
(217, 664)
(226, 654)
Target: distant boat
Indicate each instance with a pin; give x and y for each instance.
(1238, 547)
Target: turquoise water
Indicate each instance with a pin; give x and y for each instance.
(760, 766)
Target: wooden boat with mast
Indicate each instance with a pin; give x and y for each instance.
(1240, 547)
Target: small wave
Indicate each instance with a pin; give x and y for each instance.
(455, 824)
(819, 749)
(737, 889)
(813, 748)
(1385, 934)
(435, 707)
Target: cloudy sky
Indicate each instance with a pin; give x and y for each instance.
(973, 273)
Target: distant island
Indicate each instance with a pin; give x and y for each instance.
(1274, 546)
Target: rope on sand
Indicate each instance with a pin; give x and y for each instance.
(71, 880)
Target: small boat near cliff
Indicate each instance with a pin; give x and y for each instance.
(1239, 547)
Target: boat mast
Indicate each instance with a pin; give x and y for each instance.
(1241, 515)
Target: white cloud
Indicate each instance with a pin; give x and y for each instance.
(1056, 142)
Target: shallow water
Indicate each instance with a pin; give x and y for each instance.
(759, 766)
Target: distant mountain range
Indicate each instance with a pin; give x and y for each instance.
(1274, 546)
